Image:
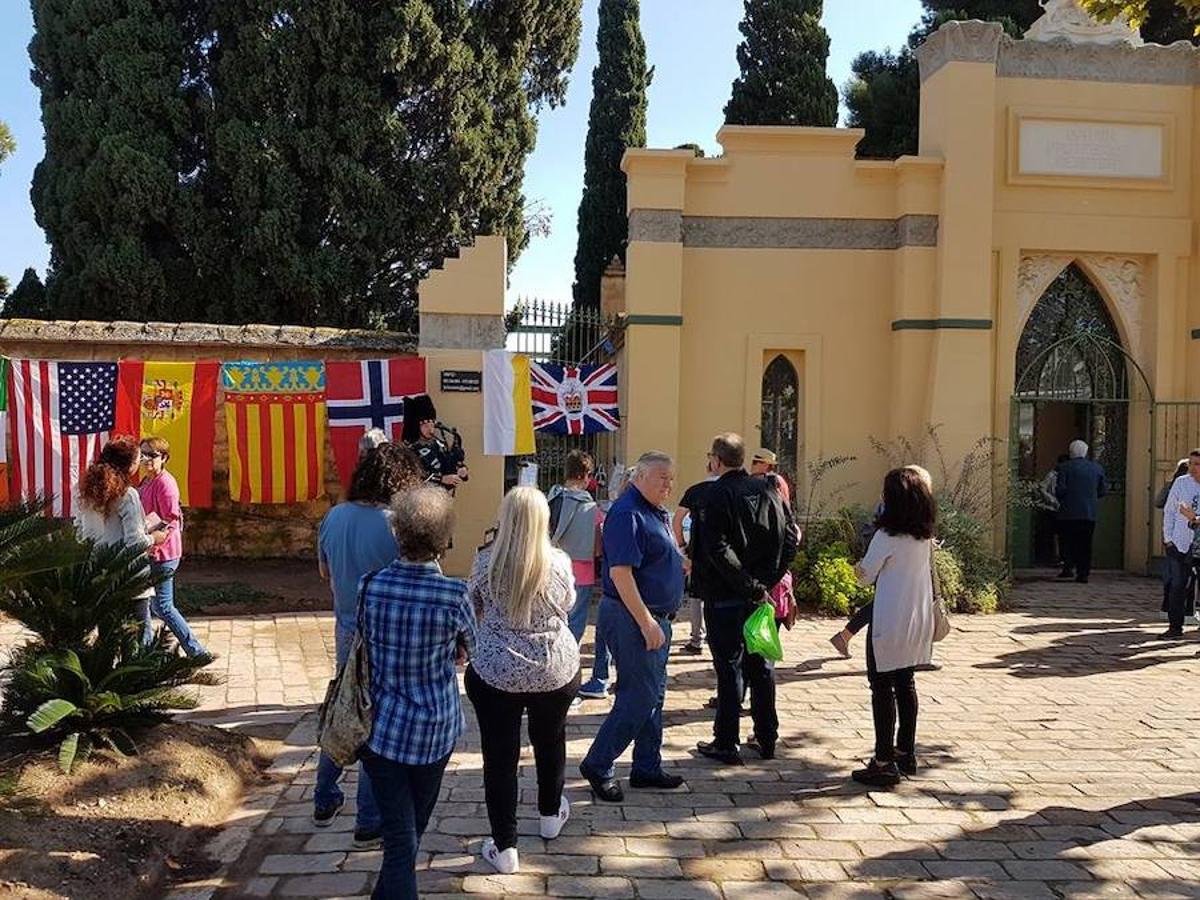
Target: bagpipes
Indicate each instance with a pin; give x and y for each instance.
(455, 454)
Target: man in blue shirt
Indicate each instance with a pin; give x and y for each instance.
(643, 588)
(1079, 484)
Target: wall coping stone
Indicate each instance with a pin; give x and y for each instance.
(971, 41)
(199, 334)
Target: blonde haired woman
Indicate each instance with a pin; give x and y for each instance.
(526, 660)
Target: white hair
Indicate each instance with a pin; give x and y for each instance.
(649, 460)
(372, 438)
(1077, 450)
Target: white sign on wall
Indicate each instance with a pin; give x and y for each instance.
(1090, 149)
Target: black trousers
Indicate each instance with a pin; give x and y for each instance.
(1179, 567)
(499, 714)
(891, 693)
(861, 617)
(736, 670)
(1076, 536)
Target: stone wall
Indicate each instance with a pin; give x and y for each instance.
(227, 529)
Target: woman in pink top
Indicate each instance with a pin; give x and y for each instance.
(160, 496)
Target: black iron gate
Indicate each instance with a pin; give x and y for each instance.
(560, 333)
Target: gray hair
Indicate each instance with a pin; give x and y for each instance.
(1077, 450)
(649, 460)
(423, 522)
(372, 438)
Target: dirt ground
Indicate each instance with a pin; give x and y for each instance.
(216, 586)
(120, 828)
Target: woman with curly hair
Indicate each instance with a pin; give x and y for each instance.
(110, 510)
(355, 539)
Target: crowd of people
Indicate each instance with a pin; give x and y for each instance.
(516, 625)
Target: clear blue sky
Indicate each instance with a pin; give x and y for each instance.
(691, 44)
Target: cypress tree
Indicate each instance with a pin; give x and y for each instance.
(616, 121)
(28, 299)
(113, 193)
(782, 59)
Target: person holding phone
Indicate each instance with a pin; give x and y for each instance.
(159, 493)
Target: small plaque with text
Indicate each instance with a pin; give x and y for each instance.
(458, 381)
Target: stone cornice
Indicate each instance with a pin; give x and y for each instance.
(972, 41)
(195, 334)
(1119, 63)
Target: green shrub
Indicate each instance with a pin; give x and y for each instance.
(825, 578)
(85, 677)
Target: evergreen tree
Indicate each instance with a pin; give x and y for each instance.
(616, 121)
(114, 192)
(28, 299)
(782, 59)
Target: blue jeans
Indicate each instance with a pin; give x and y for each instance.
(328, 772)
(407, 796)
(577, 623)
(636, 714)
(163, 606)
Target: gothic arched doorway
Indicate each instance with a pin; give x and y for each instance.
(781, 414)
(1075, 381)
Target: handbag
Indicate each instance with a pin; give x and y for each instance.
(941, 618)
(346, 717)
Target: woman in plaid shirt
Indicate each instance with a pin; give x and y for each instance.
(418, 624)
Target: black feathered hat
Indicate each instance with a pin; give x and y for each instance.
(417, 409)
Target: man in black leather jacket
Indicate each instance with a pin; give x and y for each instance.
(745, 538)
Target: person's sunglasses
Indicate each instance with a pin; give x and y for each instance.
(150, 454)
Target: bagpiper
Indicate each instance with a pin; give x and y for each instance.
(443, 464)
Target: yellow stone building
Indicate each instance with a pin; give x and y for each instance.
(1030, 276)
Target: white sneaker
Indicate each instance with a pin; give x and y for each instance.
(1191, 620)
(506, 862)
(552, 826)
(576, 702)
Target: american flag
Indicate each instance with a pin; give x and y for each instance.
(574, 399)
(61, 414)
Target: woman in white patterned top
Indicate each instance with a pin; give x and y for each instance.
(525, 659)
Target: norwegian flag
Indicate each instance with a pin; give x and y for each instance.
(367, 394)
(574, 399)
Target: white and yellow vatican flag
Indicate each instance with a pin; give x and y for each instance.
(507, 404)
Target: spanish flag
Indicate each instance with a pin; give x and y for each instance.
(275, 416)
(176, 401)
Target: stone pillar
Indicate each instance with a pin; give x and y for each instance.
(958, 124)
(462, 314)
(653, 301)
(612, 289)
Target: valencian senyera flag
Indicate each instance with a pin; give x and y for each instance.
(176, 401)
(574, 399)
(3, 430)
(275, 417)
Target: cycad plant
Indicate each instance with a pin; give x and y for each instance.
(84, 678)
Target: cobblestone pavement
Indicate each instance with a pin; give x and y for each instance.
(1060, 748)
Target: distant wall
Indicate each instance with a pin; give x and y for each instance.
(227, 529)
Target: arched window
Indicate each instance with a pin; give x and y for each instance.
(781, 414)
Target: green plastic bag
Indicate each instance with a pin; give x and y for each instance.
(762, 634)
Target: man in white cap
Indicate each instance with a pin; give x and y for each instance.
(1080, 483)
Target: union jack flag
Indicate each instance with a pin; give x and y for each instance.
(574, 399)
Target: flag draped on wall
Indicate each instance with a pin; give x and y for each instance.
(275, 417)
(3, 430)
(367, 394)
(176, 401)
(62, 414)
(507, 404)
(574, 399)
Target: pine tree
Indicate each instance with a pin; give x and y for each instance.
(616, 121)
(28, 299)
(782, 59)
(113, 193)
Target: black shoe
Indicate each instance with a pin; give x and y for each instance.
(728, 756)
(368, 838)
(606, 789)
(1066, 573)
(1170, 635)
(906, 763)
(878, 774)
(766, 751)
(692, 649)
(662, 781)
(324, 814)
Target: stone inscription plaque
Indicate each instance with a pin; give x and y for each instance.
(1090, 149)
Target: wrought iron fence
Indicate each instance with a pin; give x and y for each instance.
(557, 332)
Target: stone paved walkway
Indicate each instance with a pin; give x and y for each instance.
(1061, 750)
